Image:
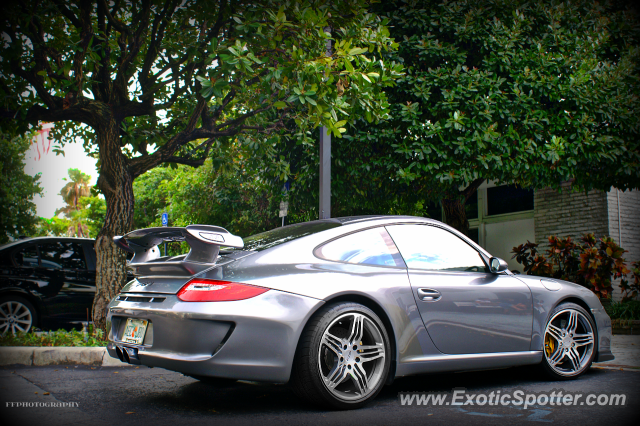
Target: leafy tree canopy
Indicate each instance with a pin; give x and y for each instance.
(532, 93)
(150, 82)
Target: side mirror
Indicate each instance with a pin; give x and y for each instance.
(498, 265)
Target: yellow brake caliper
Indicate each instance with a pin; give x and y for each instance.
(549, 344)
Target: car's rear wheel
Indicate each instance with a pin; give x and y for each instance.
(343, 357)
(569, 342)
(17, 315)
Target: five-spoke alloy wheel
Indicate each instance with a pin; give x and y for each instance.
(569, 342)
(17, 315)
(343, 358)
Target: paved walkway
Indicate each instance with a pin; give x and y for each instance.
(626, 349)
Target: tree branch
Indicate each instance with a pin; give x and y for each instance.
(187, 161)
(68, 14)
(84, 111)
(121, 27)
(157, 35)
(473, 186)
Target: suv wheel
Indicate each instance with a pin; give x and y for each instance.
(17, 315)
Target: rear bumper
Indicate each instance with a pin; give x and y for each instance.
(252, 339)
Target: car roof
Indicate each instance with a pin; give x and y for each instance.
(363, 222)
(348, 220)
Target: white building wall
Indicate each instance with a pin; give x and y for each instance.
(501, 238)
(625, 231)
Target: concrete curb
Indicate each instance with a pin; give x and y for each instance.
(58, 355)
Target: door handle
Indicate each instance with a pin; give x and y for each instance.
(428, 294)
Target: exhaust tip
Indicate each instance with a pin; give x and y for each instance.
(126, 357)
(119, 353)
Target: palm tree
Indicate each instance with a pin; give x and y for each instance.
(76, 187)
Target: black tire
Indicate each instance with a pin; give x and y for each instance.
(307, 376)
(7, 304)
(219, 382)
(584, 353)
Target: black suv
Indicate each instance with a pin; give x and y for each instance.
(46, 282)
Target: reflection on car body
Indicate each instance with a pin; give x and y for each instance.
(46, 282)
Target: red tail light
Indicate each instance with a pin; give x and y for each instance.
(202, 290)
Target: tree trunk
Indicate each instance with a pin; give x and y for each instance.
(455, 214)
(116, 183)
(454, 206)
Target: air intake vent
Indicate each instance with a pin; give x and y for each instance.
(140, 299)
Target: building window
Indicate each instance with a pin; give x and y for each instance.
(508, 199)
(471, 206)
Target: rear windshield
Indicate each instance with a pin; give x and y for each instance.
(285, 234)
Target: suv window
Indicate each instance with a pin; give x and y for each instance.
(26, 256)
(369, 247)
(62, 255)
(432, 248)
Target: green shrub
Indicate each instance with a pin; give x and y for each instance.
(592, 263)
(626, 310)
(55, 338)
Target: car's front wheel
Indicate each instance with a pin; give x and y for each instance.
(569, 342)
(343, 357)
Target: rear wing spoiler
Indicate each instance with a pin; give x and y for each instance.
(204, 240)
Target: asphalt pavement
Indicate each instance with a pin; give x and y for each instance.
(145, 396)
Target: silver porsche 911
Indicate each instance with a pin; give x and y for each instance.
(339, 307)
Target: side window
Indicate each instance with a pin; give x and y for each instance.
(26, 256)
(370, 247)
(435, 249)
(62, 255)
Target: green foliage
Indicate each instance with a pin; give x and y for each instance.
(84, 213)
(624, 310)
(56, 338)
(592, 263)
(531, 93)
(77, 186)
(89, 215)
(227, 192)
(150, 200)
(528, 92)
(53, 227)
(257, 65)
(17, 189)
(363, 180)
(92, 212)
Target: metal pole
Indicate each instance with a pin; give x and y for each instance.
(325, 173)
(619, 224)
(325, 161)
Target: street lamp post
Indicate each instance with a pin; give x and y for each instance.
(325, 161)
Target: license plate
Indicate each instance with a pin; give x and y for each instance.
(134, 331)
